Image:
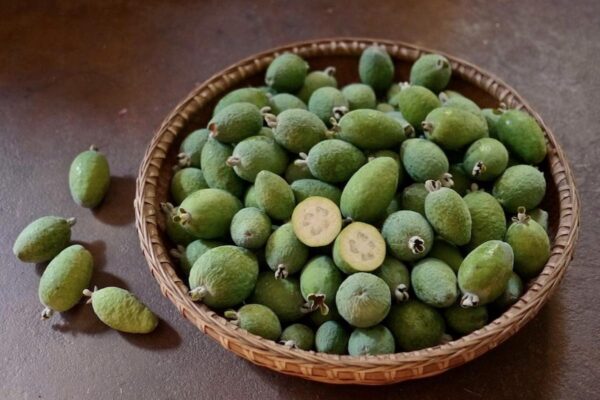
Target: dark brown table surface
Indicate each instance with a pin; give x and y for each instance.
(108, 73)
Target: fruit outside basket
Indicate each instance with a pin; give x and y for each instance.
(561, 202)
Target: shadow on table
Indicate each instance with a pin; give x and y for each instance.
(117, 207)
(164, 337)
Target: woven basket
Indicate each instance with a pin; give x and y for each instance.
(156, 170)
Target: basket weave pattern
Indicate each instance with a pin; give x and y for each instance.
(324, 367)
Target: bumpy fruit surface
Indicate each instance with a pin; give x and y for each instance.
(43, 239)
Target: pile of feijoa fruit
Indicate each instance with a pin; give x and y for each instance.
(366, 219)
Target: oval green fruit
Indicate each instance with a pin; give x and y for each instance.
(298, 336)
(371, 341)
(185, 182)
(395, 274)
(255, 154)
(285, 254)
(188, 255)
(415, 325)
(89, 178)
(363, 300)
(297, 130)
(315, 80)
(466, 320)
(446, 252)
(250, 95)
(274, 195)
(485, 159)
(250, 197)
(434, 283)
(190, 151)
(488, 221)
(217, 173)
(413, 198)
(256, 319)
(285, 101)
(43, 239)
(530, 244)
(448, 214)
(520, 186)
(319, 282)
(286, 73)
(408, 235)
(415, 103)
(370, 129)
(305, 188)
(236, 122)
(333, 160)
(432, 71)
(453, 128)
(359, 96)
(331, 338)
(423, 160)
(376, 68)
(250, 228)
(512, 293)
(522, 135)
(295, 172)
(326, 102)
(283, 296)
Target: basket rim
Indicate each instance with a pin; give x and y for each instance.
(438, 358)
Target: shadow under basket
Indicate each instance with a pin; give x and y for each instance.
(561, 202)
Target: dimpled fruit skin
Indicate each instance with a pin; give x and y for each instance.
(415, 103)
(370, 190)
(122, 311)
(415, 325)
(454, 128)
(363, 300)
(531, 247)
(394, 273)
(314, 81)
(522, 136)
(302, 336)
(376, 68)
(228, 273)
(89, 178)
(192, 146)
(250, 228)
(298, 130)
(428, 72)
(324, 100)
(423, 160)
(449, 216)
(371, 341)
(520, 186)
(259, 320)
(285, 101)
(434, 283)
(488, 221)
(331, 338)
(492, 153)
(305, 188)
(295, 172)
(286, 73)
(283, 296)
(64, 279)
(514, 290)
(236, 122)
(335, 160)
(217, 173)
(486, 270)
(258, 153)
(42, 239)
(370, 130)
(274, 195)
(321, 276)
(359, 95)
(466, 320)
(402, 225)
(211, 212)
(244, 95)
(185, 182)
(447, 253)
(413, 198)
(283, 247)
(194, 250)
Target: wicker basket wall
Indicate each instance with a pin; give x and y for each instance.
(155, 172)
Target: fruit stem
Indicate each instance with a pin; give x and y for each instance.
(446, 180)
(47, 313)
(183, 160)
(329, 71)
(432, 185)
(427, 127)
(469, 300)
(89, 293)
(302, 161)
(167, 208)
(281, 272)
(93, 148)
(474, 187)
(403, 85)
(214, 130)
(335, 128)
(338, 112)
(177, 252)
(289, 343)
(478, 169)
(232, 316)
(271, 120)
(197, 294)
(446, 338)
(182, 217)
(416, 244)
(443, 97)
(441, 64)
(233, 161)
(409, 131)
(266, 109)
(315, 301)
(401, 293)
(522, 217)
(71, 221)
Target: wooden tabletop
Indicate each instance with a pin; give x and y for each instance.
(107, 73)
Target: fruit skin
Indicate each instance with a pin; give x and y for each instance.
(324, 100)
(315, 80)
(446, 252)
(89, 178)
(286, 73)
(193, 251)
(274, 195)
(295, 172)
(413, 198)
(408, 235)
(415, 325)
(492, 116)
(371, 341)
(256, 319)
(449, 215)
(43, 239)
(462, 182)
(250, 228)
(465, 320)
(385, 107)
(434, 283)
(285, 101)
(64, 279)
(257, 153)
(376, 242)
(376, 68)
(514, 290)
(423, 160)
(216, 172)
(370, 129)
(236, 122)
(453, 128)
(298, 130)
(530, 244)
(334, 160)
(121, 310)
(392, 91)
(520, 186)
(415, 103)
(175, 231)
(332, 338)
(540, 216)
(484, 274)
(305, 188)
(370, 190)
(185, 182)
(300, 335)
(250, 197)
(460, 101)
(223, 276)
(190, 150)
(396, 276)
(432, 71)
(251, 95)
(284, 251)
(363, 300)
(409, 130)
(283, 296)
(488, 221)
(489, 152)
(318, 319)
(359, 95)
(321, 276)
(522, 136)
(207, 213)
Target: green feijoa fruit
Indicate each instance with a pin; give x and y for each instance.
(452, 93)
(397, 277)
(530, 244)
(318, 319)
(359, 96)
(363, 300)
(250, 228)
(393, 206)
(185, 182)
(326, 103)
(484, 274)
(453, 128)
(216, 172)
(175, 231)
(333, 160)
(283, 296)
(492, 116)
(413, 198)
(461, 183)
(315, 80)
(64, 279)
(391, 154)
(370, 129)
(274, 195)
(223, 276)
(434, 283)
(415, 103)
(522, 135)
(488, 221)
(43, 239)
(250, 197)
(466, 320)
(385, 107)
(376, 68)
(121, 310)
(408, 235)
(188, 255)
(392, 91)
(319, 282)
(297, 130)
(415, 325)
(286, 73)
(370, 190)
(267, 132)
(89, 178)
(236, 122)
(448, 214)
(255, 154)
(409, 130)
(250, 95)
(317, 221)
(331, 338)
(432, 71)
(295, 172)
(284, 253)
(285, 101)
(298, 336)
(207, 213)
(305, 188)
(256, 319)
(514, 290)
(359, 248)
(190, 151)
(371, 341)
(520, 186)
(540, 216)
(423, 160)
(446, 252)
(486, 159)
(462, 103)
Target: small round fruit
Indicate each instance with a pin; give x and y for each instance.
(185, 182)
(257, 153)
(333, 160)
(432, 71)
(359, 248)
(319, 282)
(448, 214)
(236, 122)
(250, 228)
(315, 80)
(274, 195)
(522, 135)
(286, 73)
(485, 159)
(331, 338)
(363, 300)
(89, 178)
(520, 186)
(415, 325)
(325, 102)
(408, 235)
(283, 296)
(360, 96)
(298, 336)
(43, 239)
(530, 244)
(317, 221)
(434, 283)
(256, 319)
(371, 341)
(284, 253)
(466, 320)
